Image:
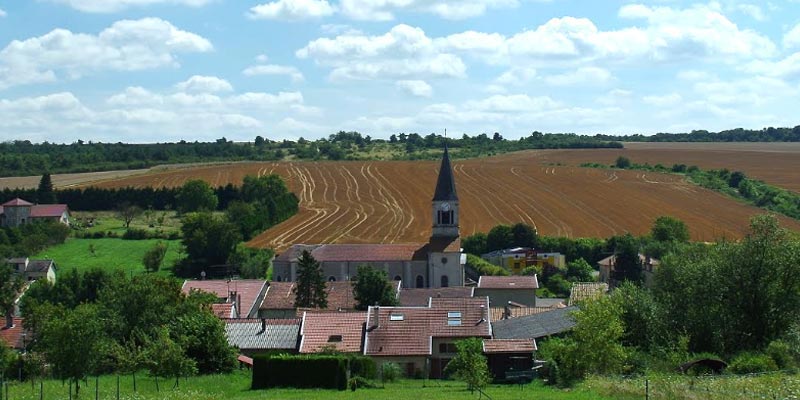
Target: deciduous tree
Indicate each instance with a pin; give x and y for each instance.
(154, 257)
(370, 287)
(196, 195)
(470, 365)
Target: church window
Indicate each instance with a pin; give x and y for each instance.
(445, 281)
(420, 281)
(278, 279)
(444, 260)
(331, 279)
(397, 278)
(445, 217)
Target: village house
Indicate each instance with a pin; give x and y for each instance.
(20, 212)
(517, 259)
(517, 291)
(32, 270)
(327, 331)
(421, 297)
(535, 326)
(12, 333)
(422, 339)
(261, 336)
(608, 269)
(280, 296)
(244, 295)
(437, 263)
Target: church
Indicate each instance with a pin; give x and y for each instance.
(437, 263)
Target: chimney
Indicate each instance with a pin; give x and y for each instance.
(238, 304)
(263, 326)
(9, 320)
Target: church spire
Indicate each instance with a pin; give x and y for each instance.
(445, 185)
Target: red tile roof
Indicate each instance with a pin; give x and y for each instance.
(508, 282)
(12, 337)
(420, 297)
(496, 346)
(408, 331)
(280, 296)
(223, 310)
(16, 203)
(344, 331)
(248, 289)
(48, 210)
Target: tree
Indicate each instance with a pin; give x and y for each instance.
(669, 229)
(475, 244)
(196, 195)
(208, 239)
(500, 237)
(579, 271)
(245, 216)
(127, 212)
(165, 358)
(259, 141)
(310, 289)
(10, 286)
(469, 364)
(523, 235)
(370, 287)
(252, 263)
(154, 257)
(45, 193)
(628, 265)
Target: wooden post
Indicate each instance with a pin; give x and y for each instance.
(96, 388)
(41, 390)
(647, 389)
(117, 387)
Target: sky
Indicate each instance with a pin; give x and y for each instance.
(144, 71)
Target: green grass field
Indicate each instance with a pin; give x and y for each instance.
(109, 254)
(237, 384)
(109, 221)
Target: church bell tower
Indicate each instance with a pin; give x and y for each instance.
(445, 202)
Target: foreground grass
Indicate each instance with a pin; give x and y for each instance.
(765, 386)
(237, 386)
(109, 254)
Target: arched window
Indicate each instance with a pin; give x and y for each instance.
(278, 279)
(420, 281)
(445, 281)
(397, 278)
(331, 279)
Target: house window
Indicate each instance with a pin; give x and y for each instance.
(445, 281)
(420, 281)
(334, 338)
(447, 348)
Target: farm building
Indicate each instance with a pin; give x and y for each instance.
(518, 258)
(259, 336)
(437, 263)
(506, 356)
(244, 295)
(20, 212)
(32, 270)
(608, 271)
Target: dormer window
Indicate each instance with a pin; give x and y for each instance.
(454, 314)
(334, 339)
(454, 322)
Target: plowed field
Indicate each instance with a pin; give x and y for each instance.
(389, 201)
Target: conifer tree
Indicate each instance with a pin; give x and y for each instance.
(45, 193)
(310, 288)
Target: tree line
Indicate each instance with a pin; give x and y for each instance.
(768, 134)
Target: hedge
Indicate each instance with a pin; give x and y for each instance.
(325, 372)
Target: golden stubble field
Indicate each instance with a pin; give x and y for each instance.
(389, 201)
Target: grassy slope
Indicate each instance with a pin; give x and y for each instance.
(236, 386)
(109, 221)
(111, 254)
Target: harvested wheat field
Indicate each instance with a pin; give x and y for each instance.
(774, 163)
(389, 201)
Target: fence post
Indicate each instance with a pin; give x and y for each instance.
(117, 387)
(96, 388)
(647, 389)
(41, 390)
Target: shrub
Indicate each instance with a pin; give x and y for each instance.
(750, 363)
(362, 366)
(326, 372)
(780, 352)
(390, 372)
(135, 234)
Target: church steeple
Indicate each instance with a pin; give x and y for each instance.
(445, 202)
(445, 185)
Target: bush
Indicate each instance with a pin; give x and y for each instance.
(325, 372)
(135, 234)
(362, 366)
(360, 383)
(781, 352)
(390, 372)
(750, 363)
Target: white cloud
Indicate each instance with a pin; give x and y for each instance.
(615, 97)
(787, 68)
(262, 58)
(127, 45)
(791, 40)
(109, 6)
(747, 92)
(403, 53)
(666, 100)
(292, 10)
(516, 76)
(753, 11)
(272, 69)
(512, 103)
(204, 84)
(384, 10)
(2, 13)
(415, 88)
(581, 76)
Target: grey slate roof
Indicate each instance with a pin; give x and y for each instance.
(535, 326)
(445, 184)
(279, 335)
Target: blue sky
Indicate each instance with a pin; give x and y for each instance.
(166, 70)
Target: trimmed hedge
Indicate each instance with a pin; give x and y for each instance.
(325, 372)
(362, 366)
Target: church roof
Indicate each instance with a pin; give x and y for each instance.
(358, 252)
(445, 184)
(17, 203)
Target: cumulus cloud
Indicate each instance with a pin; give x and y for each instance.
(415, 88)
(292, 10)
(2, 13)
(384, 10)
(403, 53)
(666, 100)
(516, 76)
(581, 76)
(208, 84)
(753, 11)
(791, 40)
(109, 6)
(127, 45)
(271, 69)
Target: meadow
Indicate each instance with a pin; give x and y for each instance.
(108, 254)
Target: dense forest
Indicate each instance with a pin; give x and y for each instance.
(769, 134)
